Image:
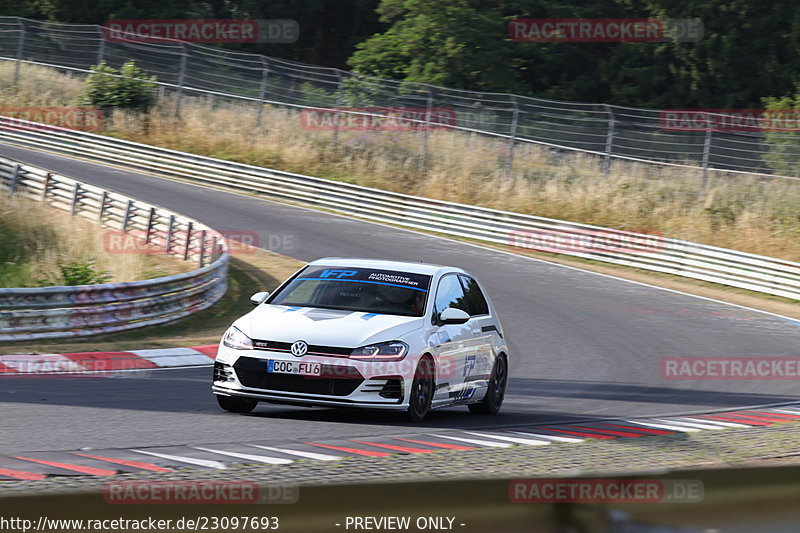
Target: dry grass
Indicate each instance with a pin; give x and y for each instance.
(36, 240)
(743, 212)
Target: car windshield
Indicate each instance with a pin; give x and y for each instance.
(382, 292)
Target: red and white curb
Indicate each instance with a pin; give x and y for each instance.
(100, 362)
(109, 462)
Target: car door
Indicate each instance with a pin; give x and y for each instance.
(456, 347)
(482, 328)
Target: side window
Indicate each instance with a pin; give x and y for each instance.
(475, 303)
(449, 294)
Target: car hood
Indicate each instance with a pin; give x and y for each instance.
(325, 327)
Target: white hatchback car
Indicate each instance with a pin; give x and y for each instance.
(367, 333)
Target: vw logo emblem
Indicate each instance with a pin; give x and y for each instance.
(299, 348)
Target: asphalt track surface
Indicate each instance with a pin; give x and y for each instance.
(583, 346)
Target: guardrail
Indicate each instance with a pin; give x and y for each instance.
(78, 311)
(603, 130)
(519, 231)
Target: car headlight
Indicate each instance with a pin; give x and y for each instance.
(382, 351)
(237, 340)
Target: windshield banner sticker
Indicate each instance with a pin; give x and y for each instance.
(382, 277)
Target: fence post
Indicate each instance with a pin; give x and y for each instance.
(512, 139)
(706, 160)
(609, 141)
(20, 52)
(101, 51)
(262, 93)
(339, 98)
(76, 196)
(423, 161)
(181, 78)
(12, 187)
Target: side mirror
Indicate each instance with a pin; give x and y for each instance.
(258, 298)
(451, 315)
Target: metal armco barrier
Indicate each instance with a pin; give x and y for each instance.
(518, 231)
(62, 312)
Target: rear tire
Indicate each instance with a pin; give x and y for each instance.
(236, 404)
(491, 403)
(419, 402)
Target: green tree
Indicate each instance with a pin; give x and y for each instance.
(783, 154)
(127, 88)
(455, 43)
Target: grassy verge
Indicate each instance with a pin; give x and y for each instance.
(249, 273)
(37, 241)
(742, 212)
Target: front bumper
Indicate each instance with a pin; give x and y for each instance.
(343, 382)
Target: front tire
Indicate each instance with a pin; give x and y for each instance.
(419, 402)
(490, 405)
(236, 404)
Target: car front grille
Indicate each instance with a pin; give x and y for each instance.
(276, 346)
(335, 380)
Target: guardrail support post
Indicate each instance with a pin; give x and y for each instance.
(170, 229)
(262, 94)
(127, 215)
(12, 187)
(202, 248)
(20, 52)
(219, 244)
(76, 195)
(46, 186)
(181, 78)
(101, 211)
(609, 142)
(150, 219)
(188, 242)
(706, 160)
(512, 139)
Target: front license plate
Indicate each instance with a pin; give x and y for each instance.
(303, 368)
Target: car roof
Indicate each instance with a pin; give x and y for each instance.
(384, 264)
